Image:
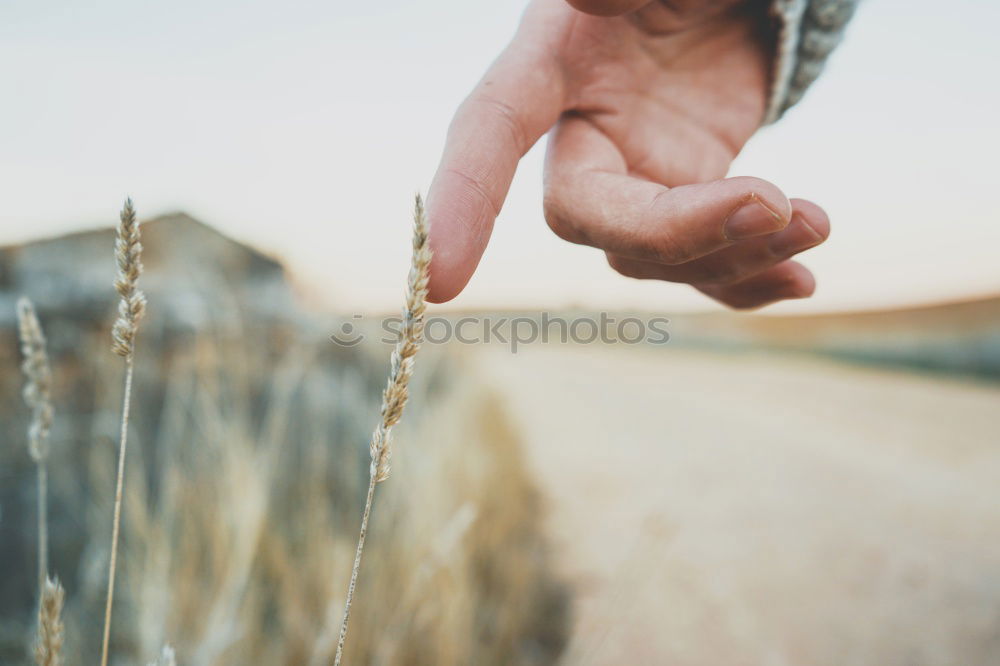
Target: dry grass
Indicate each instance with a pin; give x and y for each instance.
(236, 525)
(49, 640)
(37, 395)
(132, 304)
(396, 392)
(238, 532)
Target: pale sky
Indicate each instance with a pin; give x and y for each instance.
(304, 127)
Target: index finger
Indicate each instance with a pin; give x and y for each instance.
(516, 102)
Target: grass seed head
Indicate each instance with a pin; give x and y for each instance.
(49, 641)
(38, 379)
(411, 336)
(128, 256)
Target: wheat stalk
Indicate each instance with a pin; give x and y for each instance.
(48, 643)
(396, 392)
(131, 306)
(37, 395)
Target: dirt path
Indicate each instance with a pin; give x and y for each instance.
(729, 509)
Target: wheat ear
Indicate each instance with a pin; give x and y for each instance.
(48, 643)
(396, 392)
(37, 395)
(131, 306)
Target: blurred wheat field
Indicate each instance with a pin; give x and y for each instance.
(245, 477)
(240, 515)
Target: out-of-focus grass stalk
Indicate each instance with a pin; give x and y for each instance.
(131, 306)
(37, 395)
(49, 639)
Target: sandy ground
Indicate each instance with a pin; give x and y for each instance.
(716, 509)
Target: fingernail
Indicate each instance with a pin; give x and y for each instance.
(751, 219)
(796, 237)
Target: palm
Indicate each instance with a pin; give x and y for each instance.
(677, 101)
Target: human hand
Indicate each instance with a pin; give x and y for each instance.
(648, 103)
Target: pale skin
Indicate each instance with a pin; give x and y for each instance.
(646, 105)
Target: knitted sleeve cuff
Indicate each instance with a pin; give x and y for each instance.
(808, 31)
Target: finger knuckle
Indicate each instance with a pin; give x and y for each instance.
(720, 274)
(477, 187)
(663, 244)
(505, 113)
(667, 249)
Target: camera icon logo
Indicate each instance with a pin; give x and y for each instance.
(349, 335)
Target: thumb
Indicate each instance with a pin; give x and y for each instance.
(516, 102)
